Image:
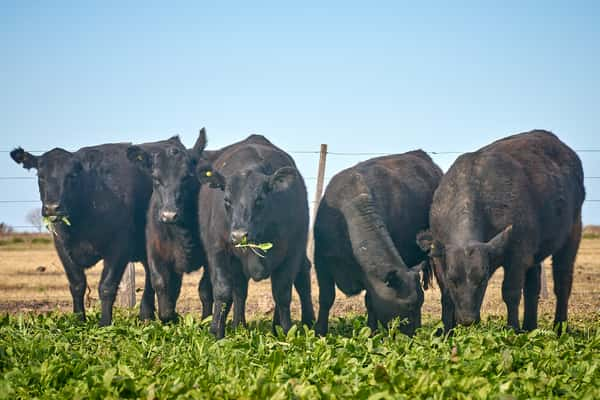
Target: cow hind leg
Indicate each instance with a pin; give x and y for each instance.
(303, 287)
(531, 295)
(562, 270)
(205, 293)
(109, 284)
(326, 294)
(371, 317)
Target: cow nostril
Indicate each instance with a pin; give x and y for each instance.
(237, 236)
(168, 216)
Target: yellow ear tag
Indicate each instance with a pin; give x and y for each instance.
(139, 158)
(432, 246)
(208, 173)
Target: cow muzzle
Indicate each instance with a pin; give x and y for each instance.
(168, 217)
(51, 210)
(237, 236)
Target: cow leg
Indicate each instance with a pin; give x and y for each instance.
(174, 291)
(77, 286)
(206, 294)
(512, 287)
(281, 286)
(77, 281)
(371, 317)
(303, 287)
(562, 270)
(147, 305)
(240, 294)
(109, 284)
(326, 294)
(531, 295)
(165, 283)
(222, 284)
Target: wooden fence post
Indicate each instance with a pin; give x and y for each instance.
(318, 194)
(543, 283)
(126, 294)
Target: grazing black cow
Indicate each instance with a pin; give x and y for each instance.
(262, 199)
(365, 234)
(172, 235)
(104, 199)
(512, 203)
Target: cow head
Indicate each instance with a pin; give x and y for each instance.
(465, 270)
(250, 196)
(172, 167)
(58, 174)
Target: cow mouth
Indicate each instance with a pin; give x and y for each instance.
(388, 305)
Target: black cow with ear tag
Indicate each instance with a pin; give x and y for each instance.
(253, 213)
(172, 232)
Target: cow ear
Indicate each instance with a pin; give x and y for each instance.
(497, 245)
(429, 245)
(424, 240)
(200, 144)
(140, 157)
(282, 179)
(20, 156)
(206, 175)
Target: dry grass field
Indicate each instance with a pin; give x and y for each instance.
(32, 279)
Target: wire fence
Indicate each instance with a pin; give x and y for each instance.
(295, 152)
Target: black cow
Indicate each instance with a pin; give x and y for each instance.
(104, 198)
(262, 199)
(172, 234)
(512, 203)
(365, 234)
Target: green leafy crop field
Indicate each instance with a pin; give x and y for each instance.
(53, 356)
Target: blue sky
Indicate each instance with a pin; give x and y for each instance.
(359, 76)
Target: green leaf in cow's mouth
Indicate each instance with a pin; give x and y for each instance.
(255, 247)
(50, 221)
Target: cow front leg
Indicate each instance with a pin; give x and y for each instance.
(512, 287)
(77, 281)
(222, 284)
(531, 295)
(205, 292)
(303, 287)
(281, 287)
(147, 305)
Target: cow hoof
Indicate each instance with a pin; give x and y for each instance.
(146, 316)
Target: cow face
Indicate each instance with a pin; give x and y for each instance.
(174, 183)
(58, 171)
(465, 271)
(249, 200)
(400, 295)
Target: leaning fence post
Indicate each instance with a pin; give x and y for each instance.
(126, 294)
(318, 194)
